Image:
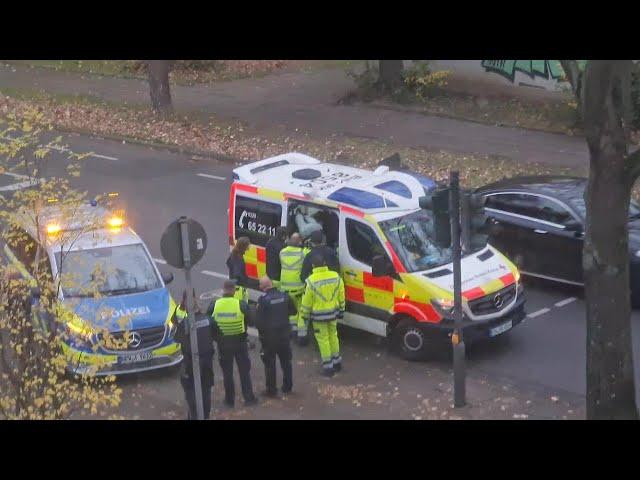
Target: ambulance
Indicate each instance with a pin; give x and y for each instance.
(398, 283)
(124, 324)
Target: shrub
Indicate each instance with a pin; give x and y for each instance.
(424, 83)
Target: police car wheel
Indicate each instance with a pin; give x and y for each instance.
(411, 340)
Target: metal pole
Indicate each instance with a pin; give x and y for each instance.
(459, 381)
(191, 325)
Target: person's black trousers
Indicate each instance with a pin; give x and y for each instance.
(240, 353)
(280, 347)
(190, 392)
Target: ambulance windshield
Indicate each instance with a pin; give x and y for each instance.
(110, 271)
(411, 237)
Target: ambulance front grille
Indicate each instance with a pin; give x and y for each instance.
(494, 302)
(148, 338)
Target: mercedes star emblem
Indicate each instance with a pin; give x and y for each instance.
(498, 301)
(135, 339)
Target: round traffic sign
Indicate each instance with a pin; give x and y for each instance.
(171, 245)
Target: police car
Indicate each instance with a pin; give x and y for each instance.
(398, 283)
(122, 322)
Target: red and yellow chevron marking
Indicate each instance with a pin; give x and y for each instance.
(255, 260)
(490, 287)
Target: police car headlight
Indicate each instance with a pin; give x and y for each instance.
(444, 306)
(638, 253)
(172, 327)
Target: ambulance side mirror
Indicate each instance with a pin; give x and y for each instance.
(381, 266)
(167, 277)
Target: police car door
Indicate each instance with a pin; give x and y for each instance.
(366, 295)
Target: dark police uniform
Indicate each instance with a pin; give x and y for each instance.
(272, 321)
(273, 248)
(206, 350)
(230, 332)
(330, 258)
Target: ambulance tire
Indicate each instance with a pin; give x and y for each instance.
(411, 341)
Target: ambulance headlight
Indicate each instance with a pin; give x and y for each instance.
(638, 254)
(172, 326)
(444, 306)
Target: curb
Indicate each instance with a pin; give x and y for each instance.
(397, 108)
(158, 145)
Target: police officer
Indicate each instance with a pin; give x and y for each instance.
(323, 303)
(319, 247)
(272, 250)
(291, 259)
(272, 322)
(230, 332)
(206, 350)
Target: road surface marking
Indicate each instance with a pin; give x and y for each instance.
(15, 175)
(537, 313)
(17, 186)
(215, 177)
(566, 301)
(159, 260)
(97, 155)
(103, 156)
(214, 274)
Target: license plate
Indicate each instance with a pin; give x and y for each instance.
(500, 329)
(136, 357)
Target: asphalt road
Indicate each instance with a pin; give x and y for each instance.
(546, 352)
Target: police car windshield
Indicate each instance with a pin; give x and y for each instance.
(108, 270)
(411, 237)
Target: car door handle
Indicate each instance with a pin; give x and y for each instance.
(540, 231)
(350, 273)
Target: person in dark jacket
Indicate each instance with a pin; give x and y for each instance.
(237, 268)
(272, 322)
(273, 247)
(230, 319)
(318, 247)
(206, 350)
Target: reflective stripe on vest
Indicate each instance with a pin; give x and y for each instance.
(228, 316)
(291, 260)
(325, 290)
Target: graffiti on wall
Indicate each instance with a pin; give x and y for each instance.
(546, 69)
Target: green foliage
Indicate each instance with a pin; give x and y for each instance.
(422, 82)
(34, 383)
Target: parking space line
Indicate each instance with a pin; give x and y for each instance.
(566, 301)
(214, 274)
(97, 155)
(215, 177)
(160, 261)
(537, 313)
(106, 157)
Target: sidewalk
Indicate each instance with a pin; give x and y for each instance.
(306, 101)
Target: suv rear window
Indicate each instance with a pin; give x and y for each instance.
(256, 219)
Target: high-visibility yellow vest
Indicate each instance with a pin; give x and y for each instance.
(291, 259)
(229, 317)
(323, 298)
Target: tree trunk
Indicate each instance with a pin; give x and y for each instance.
(390, 75)
(610, 377)
(159, 85)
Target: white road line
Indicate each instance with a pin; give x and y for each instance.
(104, 156)
(17, 186)
(14, 175)
(214, 274)
(566, 301)
(215, 177)
(160, 261)
(537, 313)
(97, 155)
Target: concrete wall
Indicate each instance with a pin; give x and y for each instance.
(532, 79)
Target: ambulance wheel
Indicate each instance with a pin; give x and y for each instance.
(410, 340)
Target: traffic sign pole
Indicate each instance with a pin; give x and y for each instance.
(457, 339)
(195, 357)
